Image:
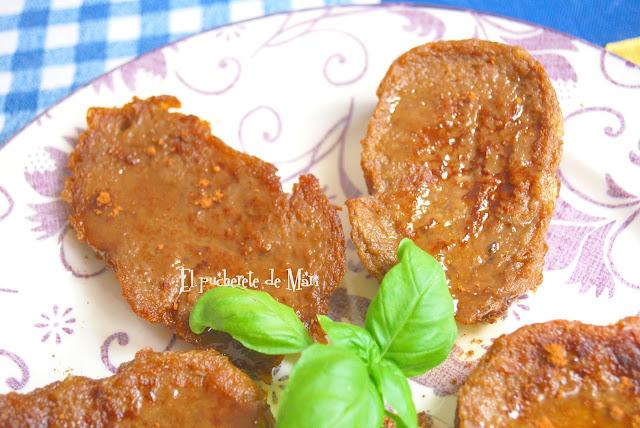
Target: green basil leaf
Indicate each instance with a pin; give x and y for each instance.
(411, 317)
(396, 393)
(253, 318)
(351, 337)
(330, 387)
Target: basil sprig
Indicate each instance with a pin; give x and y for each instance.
(352, 337)
(412, 316)
(330, 387)
(409, 329)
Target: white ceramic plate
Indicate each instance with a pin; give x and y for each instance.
(297, 90)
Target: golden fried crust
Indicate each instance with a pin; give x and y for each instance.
(557, 374)
(169, 389)
(461, 155)
(152, 191)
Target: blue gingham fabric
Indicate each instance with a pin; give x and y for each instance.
(48, 48)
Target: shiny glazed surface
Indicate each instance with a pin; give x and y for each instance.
(168, 389)
(461, 156)
(153, 191)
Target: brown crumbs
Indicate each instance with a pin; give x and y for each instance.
(207, 201)
(151, 151)
(115, 211)
(103, 198)
(556, 354)
(216, 168)
(203, 182)
(204, 202)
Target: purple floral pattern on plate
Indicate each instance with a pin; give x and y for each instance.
(224, 63)
(447, 378)
(85, 267)
(422, 23)
(56, 324)
(290, 31)
(50, 217)
(576, 234)
(343, 305)
(153, 63)
(8, 202)
(607, 74)
(171, 343)
(13, 382)
(122, 339)
(519, 305)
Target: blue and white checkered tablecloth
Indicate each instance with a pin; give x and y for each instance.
(48, 48)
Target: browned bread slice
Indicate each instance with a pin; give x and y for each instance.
(156, 389)
(153, 191)
(461, 155)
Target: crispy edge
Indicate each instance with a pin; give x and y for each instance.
(308, 191)
(510, 355)
(108, 395)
